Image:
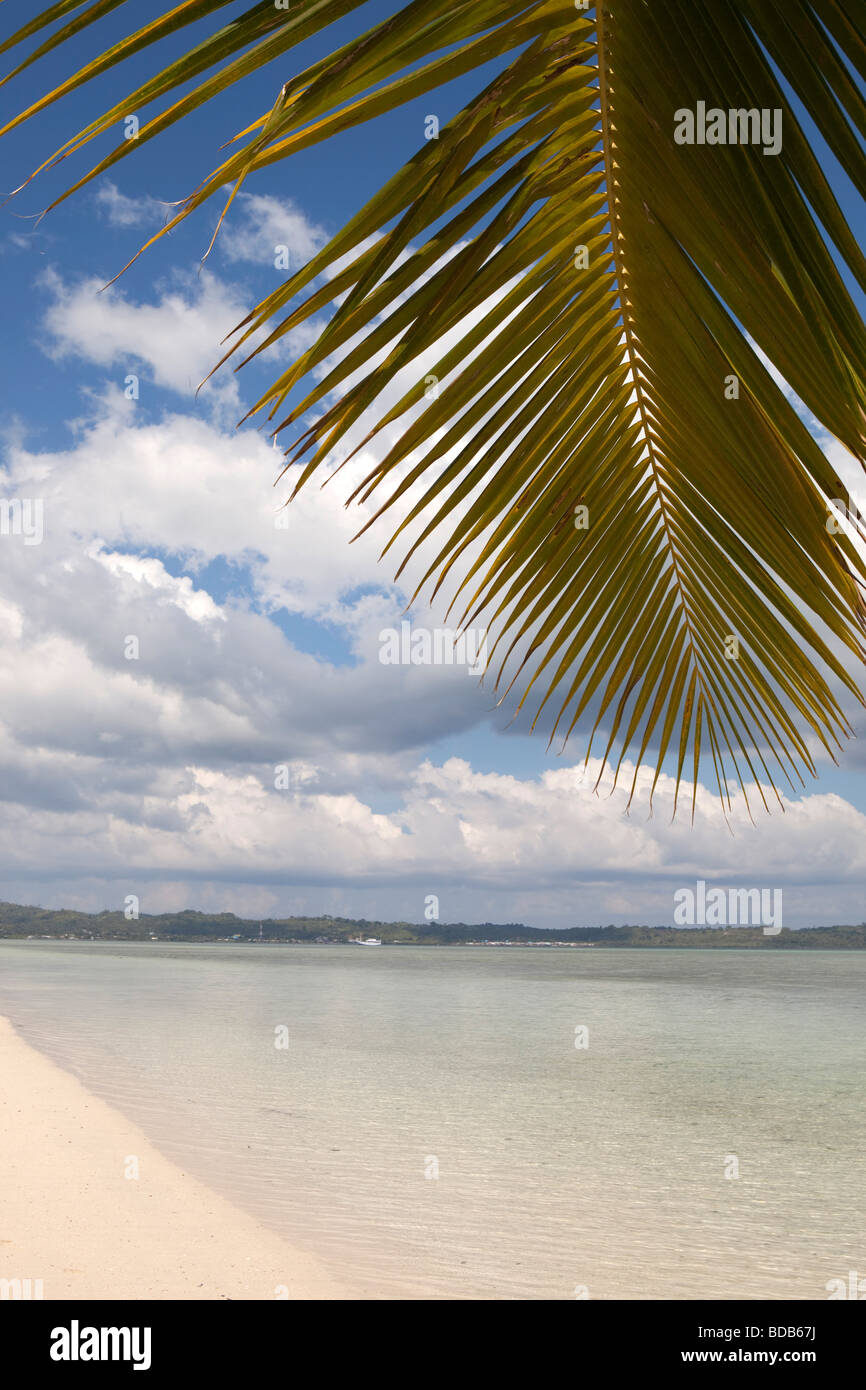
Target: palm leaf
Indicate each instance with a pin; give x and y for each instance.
(594, 379)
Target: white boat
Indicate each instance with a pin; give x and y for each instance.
(365, 941)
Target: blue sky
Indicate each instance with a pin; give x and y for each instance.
(258, 646)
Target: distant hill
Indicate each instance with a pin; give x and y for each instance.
(17, 922)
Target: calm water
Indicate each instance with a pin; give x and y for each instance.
(558, 1166)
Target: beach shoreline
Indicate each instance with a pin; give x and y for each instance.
(77, 1222)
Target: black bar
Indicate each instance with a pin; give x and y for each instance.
(297, 1339)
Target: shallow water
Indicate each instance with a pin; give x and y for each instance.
(560, 1168)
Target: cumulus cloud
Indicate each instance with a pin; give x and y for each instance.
(195, 603)
(222, 681)
(175, 339)
(546, 850)
(121, 210)
(265, 230)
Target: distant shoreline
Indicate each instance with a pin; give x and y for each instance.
(20, 922)
(674, 945)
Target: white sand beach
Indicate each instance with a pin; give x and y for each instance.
(71, 1218)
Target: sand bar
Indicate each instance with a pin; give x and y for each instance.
(70, 1217)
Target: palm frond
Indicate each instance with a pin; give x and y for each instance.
(603, 289)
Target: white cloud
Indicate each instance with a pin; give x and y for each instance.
(547, 851)
(195, 603)
(120, 210)
(175, 339)
(258, 228)
(216, 678)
